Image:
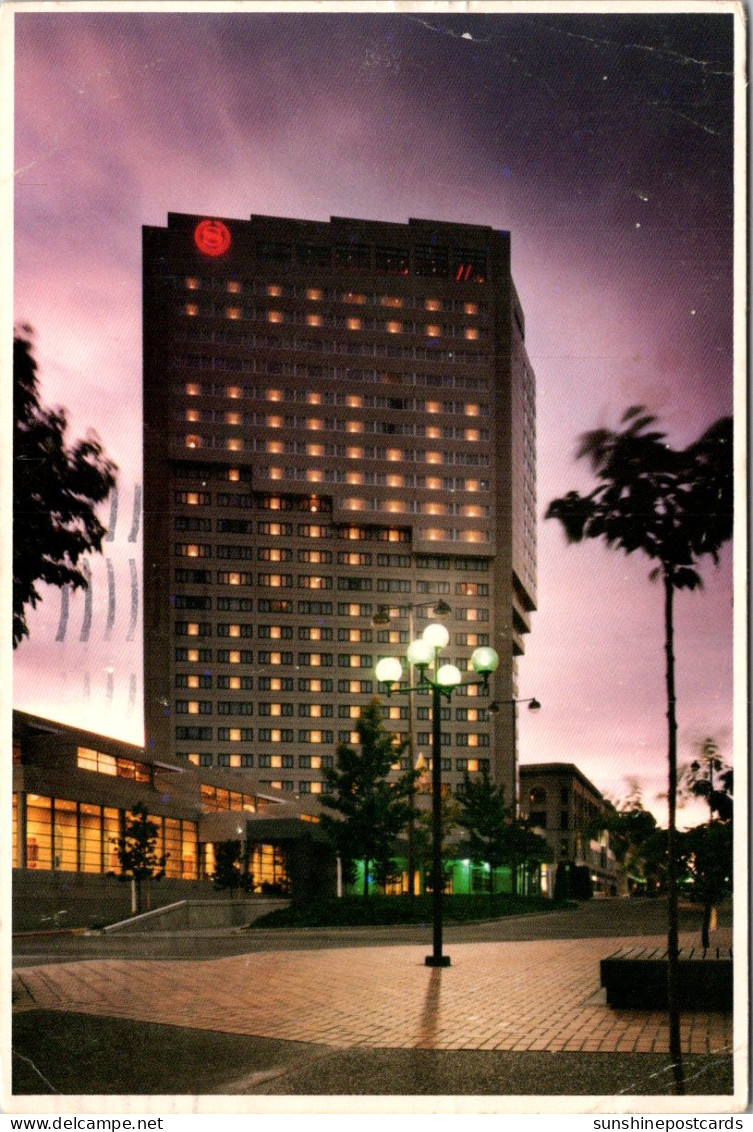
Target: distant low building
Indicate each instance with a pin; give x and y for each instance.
(563, 806)
(72, 792)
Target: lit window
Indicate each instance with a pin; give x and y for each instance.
(192, 284)
(314, 320)
(394, 454)
(192, 629)
(233, 312)
(354, 323)
(274, 446)
(192, 682)
(395, 481)
(192, 309)
(233, 418)
(354, 477)
(233, 630)
(193, 415)
(234, 657)
(472, 410)
(352, 297)
(393, 327)
(395, 506)
(274, 290)
(354, 504)
(313, 475)
(274, 316)
(193, 442)
(354, 401)
(274, 395)
(234, 444)
(470, 308)
(471, 332)
(354, 426)
(354, 453)
(234, 734)
(432, 432)
(433, 331)
(314, 293)
(390, 301)
(433, 305)
(472, 511)
(192, 551)
(314, 449)
(233, 475)
(314, 423)
(234, 392)
(234, 579)
(433, 407)
(472, 434)
(193, 498)
(193, 389)
(316, 787)
(274, 422)
(436, 535)
(234, 287)
(314, 398)
(433, 457)
(472, 536)
(433, 483)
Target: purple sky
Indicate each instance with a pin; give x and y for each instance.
(602, 143)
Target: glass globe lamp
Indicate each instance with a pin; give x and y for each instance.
(389, 670)
(436, 635)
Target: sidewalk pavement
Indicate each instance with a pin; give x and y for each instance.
(535, 996)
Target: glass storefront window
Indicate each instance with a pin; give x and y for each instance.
(65, 837)
(90, 838)
(38, 832)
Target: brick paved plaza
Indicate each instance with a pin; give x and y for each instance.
(539, 995)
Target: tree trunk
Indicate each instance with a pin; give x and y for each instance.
(706, 923)
(675, 1048)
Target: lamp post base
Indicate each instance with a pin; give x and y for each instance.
(437, 961)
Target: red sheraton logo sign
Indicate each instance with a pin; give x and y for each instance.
(212, 237)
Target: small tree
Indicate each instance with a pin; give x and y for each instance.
(55, 491)
(372, 810)
(485, 818)
(494, 834)
(229, 869)
(675, 507)
(137, 854)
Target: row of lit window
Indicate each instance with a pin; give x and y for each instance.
(278, 735)
(388, 326)
(304, 371)
(304, 659)
(383, 428)
(320, 294)
(67, 836)
(349, 400)
(114, 765)
(316, 581)
(431, 352)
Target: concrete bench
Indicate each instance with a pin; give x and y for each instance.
(637, 977)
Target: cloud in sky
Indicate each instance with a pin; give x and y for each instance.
(603, 143)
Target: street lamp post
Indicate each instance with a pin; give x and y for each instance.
(423, 654)
(533, 705)
(381, 619)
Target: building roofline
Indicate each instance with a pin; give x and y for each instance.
(560, 768)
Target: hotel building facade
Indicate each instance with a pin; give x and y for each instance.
(339, 433)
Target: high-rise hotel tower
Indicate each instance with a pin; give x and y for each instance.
(339, 433)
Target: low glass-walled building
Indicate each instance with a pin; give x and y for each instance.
(73, 792)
